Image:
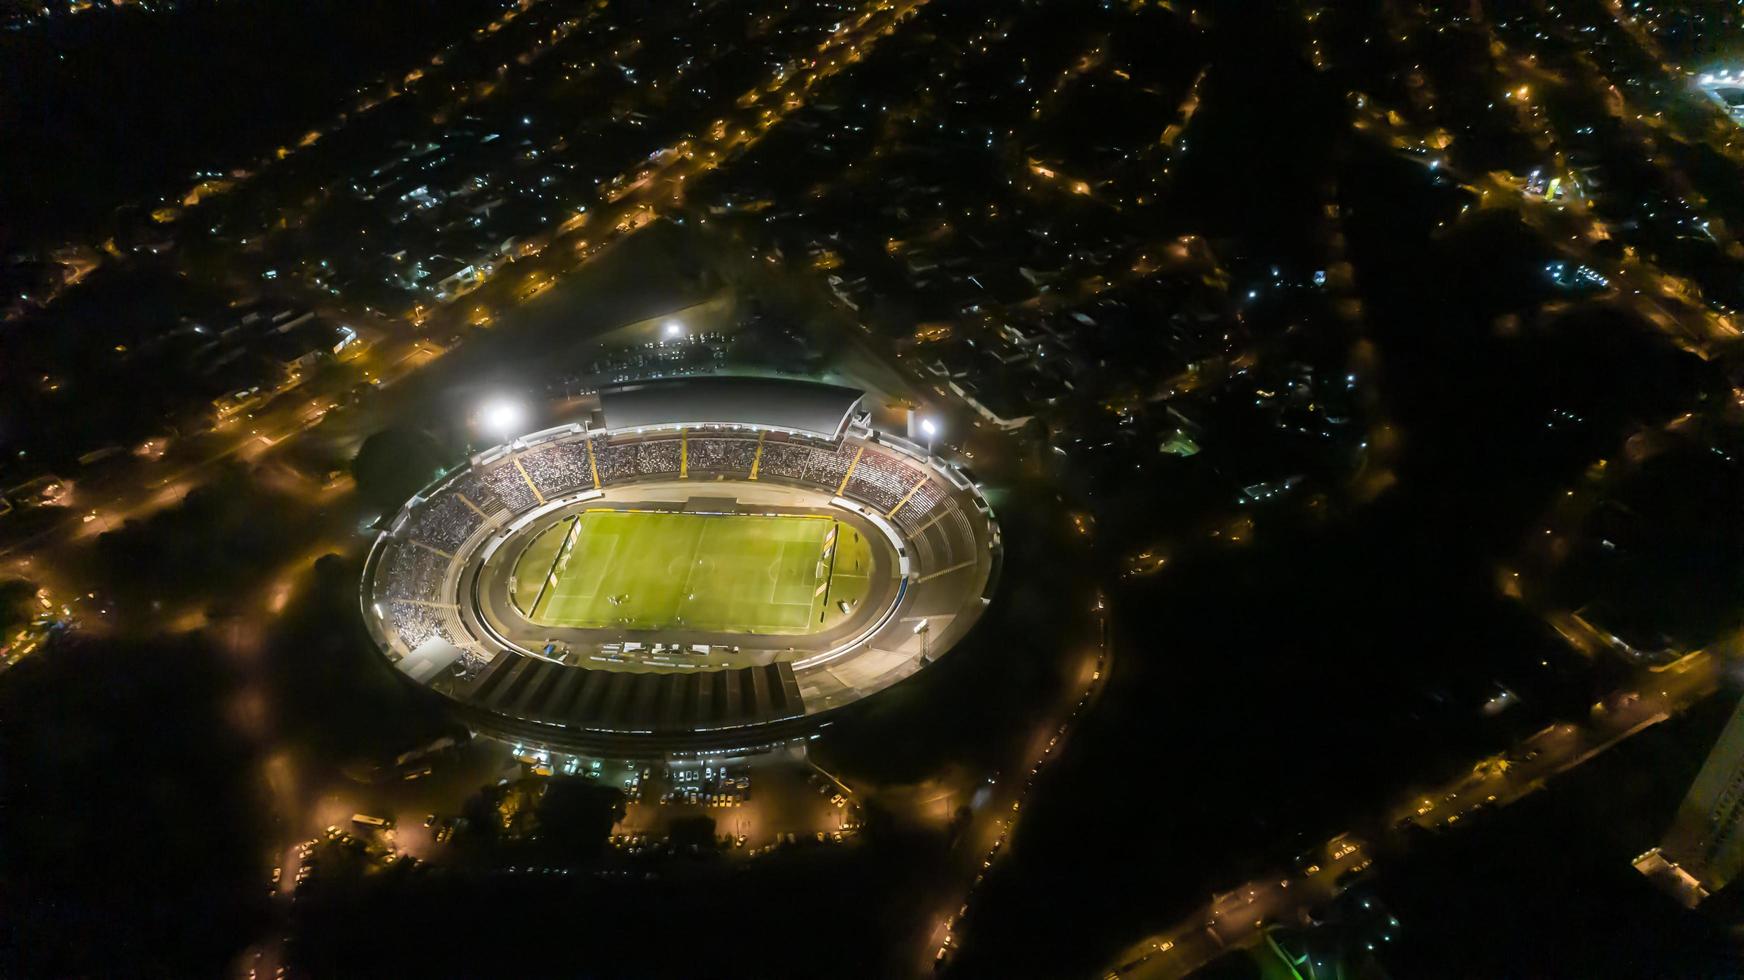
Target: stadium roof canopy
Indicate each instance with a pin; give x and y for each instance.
(805, 406)
(429, 659)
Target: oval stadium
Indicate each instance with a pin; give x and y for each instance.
(702, 565)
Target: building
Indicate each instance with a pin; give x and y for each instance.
(441, 591)
(1726, 88)
(299, 347)
(43, 491)
(443, 277)
(1704, 849)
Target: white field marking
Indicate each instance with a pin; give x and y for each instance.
(782, 564)
(542, 601)
(773, 570)
(597, 564)
(576, 591)
(777, 606)
(695, 550)
(802, 611)
(826, 564)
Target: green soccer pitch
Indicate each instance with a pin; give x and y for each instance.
(734, 573)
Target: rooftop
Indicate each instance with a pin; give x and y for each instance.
(805, 406)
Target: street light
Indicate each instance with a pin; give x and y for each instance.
(501, 417)
(931, 429)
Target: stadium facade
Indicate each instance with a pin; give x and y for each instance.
(446, 597)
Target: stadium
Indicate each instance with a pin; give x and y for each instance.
(702, 565)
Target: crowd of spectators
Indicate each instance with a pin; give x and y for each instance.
(708, 454)
(657, 456)
(444, 522)
(920, 507)
(620, 461)
(558, 468)
(806, 463)
(472, 485)
(412, 572)
(617, 461)
(881, 480)
(506, 481)
(417, 624)
(413, 568)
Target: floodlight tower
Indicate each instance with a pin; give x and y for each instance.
(501, 418)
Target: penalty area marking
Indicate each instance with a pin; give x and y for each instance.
(569, 537)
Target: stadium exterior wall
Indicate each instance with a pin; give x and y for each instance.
(632, 743)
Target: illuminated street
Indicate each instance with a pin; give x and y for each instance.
(1123, 490)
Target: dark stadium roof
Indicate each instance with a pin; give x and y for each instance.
(806, 406)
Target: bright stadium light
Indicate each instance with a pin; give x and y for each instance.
(674, 330)
(931, 429)
(501, 417)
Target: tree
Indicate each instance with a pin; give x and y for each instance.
(89, 758)
(394, 464)
(694, 833)
(576, 816)
(15, 605)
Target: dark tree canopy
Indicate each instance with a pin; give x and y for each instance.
(576, 816)
(129, 813)
(394, 463)
(15, 604)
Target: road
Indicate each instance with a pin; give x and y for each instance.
(1241, 916)
(630, 202)
(302, 800)
(996, 814)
